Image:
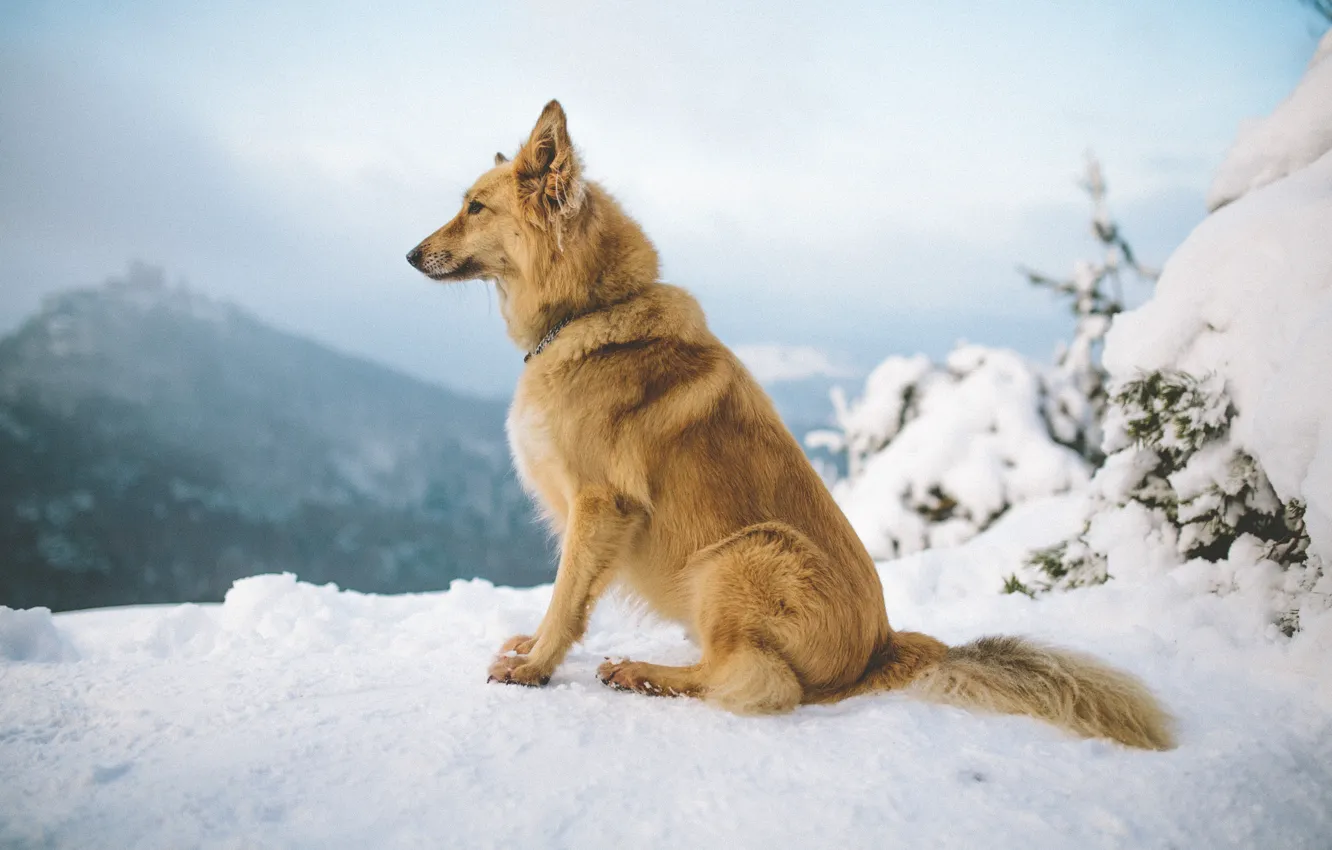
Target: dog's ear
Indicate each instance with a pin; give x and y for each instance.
(500, 159)
(549, 175)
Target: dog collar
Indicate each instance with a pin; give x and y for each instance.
(555, 331)
(548, 338)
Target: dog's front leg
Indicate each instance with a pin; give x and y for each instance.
(602, 525)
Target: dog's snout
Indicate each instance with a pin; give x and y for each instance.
(414, 257)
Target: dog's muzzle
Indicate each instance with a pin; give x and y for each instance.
(436, 265)
(414, 257)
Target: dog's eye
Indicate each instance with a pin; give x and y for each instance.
(475, 207)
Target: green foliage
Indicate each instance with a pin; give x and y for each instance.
(1173, 413)
(1050, 561)
(1200, 488)
(1013, 584)
(1065, 565)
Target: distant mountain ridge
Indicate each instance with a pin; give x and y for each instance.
(156, 444)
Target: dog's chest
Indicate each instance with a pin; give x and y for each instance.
(532, 443)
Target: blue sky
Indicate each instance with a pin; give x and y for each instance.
(862, 178)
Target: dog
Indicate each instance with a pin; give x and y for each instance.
(662, 467)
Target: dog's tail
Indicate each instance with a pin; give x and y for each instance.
(1018, 676)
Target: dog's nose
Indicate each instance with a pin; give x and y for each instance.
(414, 257)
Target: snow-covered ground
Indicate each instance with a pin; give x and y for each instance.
(300, 716)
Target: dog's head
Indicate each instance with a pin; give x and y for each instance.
(509, 208)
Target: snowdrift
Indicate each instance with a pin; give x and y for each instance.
(300, 715)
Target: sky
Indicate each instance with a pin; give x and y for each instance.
(858, 179)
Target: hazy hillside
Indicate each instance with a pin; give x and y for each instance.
(156, 445)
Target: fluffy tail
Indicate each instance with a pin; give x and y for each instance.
(1017, 676)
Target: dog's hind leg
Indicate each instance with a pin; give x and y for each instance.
(744, 599)
(653, 679)
(768, 615)
(737, 609)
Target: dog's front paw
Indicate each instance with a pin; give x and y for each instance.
(517, 670)
(518, 644)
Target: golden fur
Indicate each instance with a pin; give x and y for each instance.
(663, 467)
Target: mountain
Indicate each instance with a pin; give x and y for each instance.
(155, 445)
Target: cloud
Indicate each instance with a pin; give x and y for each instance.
(111, 177)
(852, 178)
(773, 363)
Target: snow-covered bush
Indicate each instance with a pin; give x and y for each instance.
(1199, 491)
(1220, 433)
(936, 453)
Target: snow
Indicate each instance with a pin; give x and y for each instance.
(937, 454)
(1248, 299)
(30, 635)
(877, 417)
(1292, 425)
(296, 715)
(1297, 133)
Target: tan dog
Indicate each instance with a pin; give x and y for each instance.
(663, 466)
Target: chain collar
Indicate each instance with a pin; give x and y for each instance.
(555, 331)
(548, 338)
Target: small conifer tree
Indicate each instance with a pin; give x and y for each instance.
(1076, 396)
(1173, 454)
